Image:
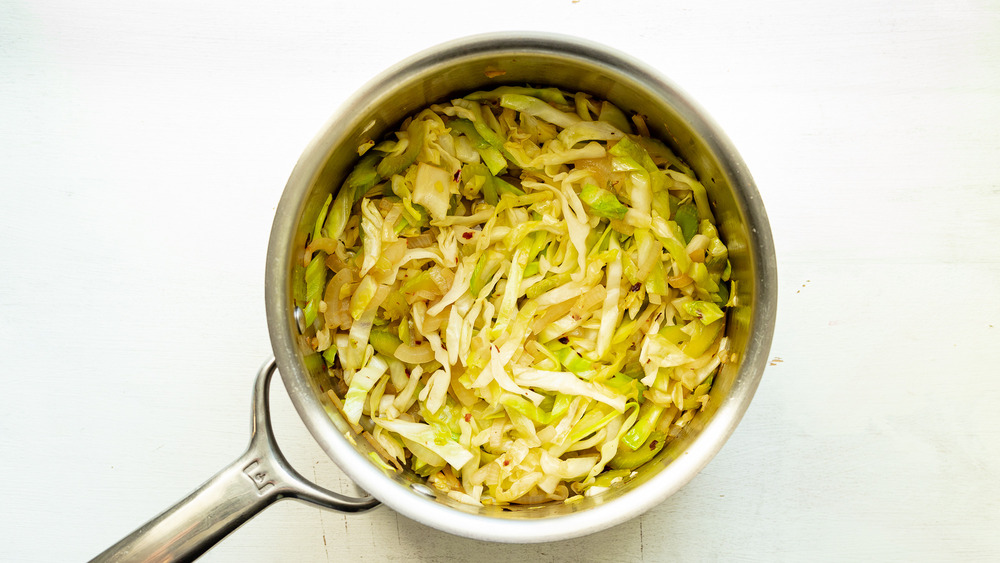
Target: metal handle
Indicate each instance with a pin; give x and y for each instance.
(234, 495)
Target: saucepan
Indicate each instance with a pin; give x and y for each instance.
(262, 475)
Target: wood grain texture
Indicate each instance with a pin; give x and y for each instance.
(143, 149)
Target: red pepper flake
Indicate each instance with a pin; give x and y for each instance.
(636, 287)
(467, 235)
(468, 417)
(652, 445)
(506, 462)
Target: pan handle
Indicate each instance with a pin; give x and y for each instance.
(234, 495)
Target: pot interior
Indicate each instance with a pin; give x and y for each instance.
(486, 62)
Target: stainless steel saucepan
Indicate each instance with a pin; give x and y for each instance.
(261, 475)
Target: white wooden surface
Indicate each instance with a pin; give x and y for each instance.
(144, 146)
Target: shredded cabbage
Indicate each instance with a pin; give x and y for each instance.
(525, 298)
